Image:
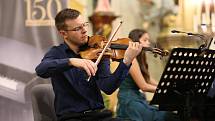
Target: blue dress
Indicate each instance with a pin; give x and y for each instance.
(132, 105)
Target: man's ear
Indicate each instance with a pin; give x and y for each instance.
(62, 33)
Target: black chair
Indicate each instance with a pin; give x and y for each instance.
(42, 96)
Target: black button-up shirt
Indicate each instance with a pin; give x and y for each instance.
(73, 93)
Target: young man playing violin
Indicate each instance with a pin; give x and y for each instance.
(76, 98)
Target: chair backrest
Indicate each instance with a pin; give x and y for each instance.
(211, 92)
(42, 96)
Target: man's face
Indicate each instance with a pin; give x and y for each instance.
(76, 32)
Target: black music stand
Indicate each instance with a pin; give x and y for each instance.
(185, 81)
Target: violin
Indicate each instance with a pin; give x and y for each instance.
(116, 49)
(98, 43)
(106, 47)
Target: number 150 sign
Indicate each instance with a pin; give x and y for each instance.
(40, 12)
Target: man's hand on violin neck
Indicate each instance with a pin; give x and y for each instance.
(131, 52)
(89, 66)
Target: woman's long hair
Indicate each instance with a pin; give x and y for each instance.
(135, 36)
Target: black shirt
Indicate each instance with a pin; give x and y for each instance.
(73, 93)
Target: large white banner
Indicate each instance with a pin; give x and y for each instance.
(26, 31)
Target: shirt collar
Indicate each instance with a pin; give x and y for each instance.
(65, 46)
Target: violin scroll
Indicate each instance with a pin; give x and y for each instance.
(160, 52)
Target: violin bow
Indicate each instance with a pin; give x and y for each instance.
(106, 46)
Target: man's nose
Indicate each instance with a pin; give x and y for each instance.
(84, 30)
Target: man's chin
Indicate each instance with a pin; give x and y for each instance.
(83, 43)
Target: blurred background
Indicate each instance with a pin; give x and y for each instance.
(28, 31)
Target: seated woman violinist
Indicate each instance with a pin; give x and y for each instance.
(132, 104)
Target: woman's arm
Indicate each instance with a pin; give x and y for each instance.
(136, 74)
(153, 82)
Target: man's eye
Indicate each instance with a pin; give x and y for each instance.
(77, 28)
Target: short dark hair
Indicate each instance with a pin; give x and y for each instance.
(64, 15)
